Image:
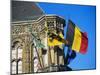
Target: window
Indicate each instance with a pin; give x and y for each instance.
(19, 53)
(35, 60)
(13, 67)
(13, 54)
(20, 66)
(62, 26)
(17, 58)
(50, 24)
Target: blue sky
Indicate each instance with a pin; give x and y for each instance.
(84, 17)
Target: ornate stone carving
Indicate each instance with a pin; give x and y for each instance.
(18, 29)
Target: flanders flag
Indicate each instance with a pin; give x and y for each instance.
(54, 39)
(77, 40)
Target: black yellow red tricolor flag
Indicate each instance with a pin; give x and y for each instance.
(77, 40)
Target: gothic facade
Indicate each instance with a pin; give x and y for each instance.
(30, 52)
(25, 36)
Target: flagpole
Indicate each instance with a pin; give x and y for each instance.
(30, 30)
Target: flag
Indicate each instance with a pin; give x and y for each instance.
(54, 39)
(71, 54)
(77, 40)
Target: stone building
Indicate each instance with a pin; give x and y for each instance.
(30, 52)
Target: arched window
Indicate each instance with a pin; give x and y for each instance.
(35, 59)
(44, 55)
(17, 57)
(13, 67)
(19, 52)
(13, 54)
(20, 66)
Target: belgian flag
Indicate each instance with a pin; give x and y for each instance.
(77, 40)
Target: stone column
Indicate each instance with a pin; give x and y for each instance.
(52, 55)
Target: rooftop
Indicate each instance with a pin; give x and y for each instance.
(23, 10)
